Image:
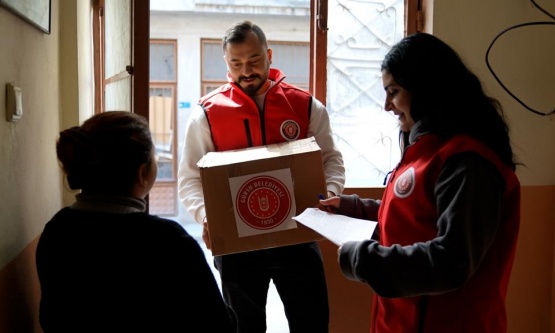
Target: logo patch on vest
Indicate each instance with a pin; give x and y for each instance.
(263, 202)
(404, 185)
(290, 130)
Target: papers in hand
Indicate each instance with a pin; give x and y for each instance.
(337, 228)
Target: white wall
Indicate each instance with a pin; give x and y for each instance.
(30, 187)
(524, 59)
(76, 69)
(55, 73)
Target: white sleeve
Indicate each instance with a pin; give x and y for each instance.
(197, 142)
(320, 128)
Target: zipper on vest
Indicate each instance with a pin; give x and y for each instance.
(404, 150)
(403, 144)
(385, 178)
(262, 108)
(248, 132)
(263, 122)
(422, 316)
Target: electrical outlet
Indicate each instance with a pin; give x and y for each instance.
(14, 105)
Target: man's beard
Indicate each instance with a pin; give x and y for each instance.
(251, 89)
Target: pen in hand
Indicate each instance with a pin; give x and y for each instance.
(323, 207)
(331, 205)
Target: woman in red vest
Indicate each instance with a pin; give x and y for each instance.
(448, 220)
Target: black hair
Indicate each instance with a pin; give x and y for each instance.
(445, 95)
(237, 33)
(104, 154)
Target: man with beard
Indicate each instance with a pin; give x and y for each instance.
(257, 107)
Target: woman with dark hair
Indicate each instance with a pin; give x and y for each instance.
(104, 264)
(449, 217)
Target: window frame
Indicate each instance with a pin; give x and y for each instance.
(319, 40)
(137, 70)
(173, 86)
(414, 22)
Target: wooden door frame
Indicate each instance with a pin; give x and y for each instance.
(140, 56)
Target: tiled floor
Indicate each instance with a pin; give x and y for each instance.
(275, 317)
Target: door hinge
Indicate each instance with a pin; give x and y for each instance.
(419, 21)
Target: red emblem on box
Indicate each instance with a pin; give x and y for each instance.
(263, 202)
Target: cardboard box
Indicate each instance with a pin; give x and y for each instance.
(252, 194)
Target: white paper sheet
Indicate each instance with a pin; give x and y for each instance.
(337, 228)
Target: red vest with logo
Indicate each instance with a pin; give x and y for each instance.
(408, 214)
(236, 122)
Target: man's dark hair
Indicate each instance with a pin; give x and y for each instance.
(237, 33)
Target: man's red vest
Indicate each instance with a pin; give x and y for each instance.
(408, 214)
(236, 122)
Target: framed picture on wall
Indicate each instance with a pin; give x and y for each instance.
(35, 12)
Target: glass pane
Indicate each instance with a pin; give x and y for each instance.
(213, 64)
(162, 62)
(293, 59)
(118, 95)
(360, 34)
(161, 126)
(117, 36)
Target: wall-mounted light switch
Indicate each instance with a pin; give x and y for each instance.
(14, 106)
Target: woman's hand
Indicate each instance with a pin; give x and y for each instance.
(330, 205)
(339, 253)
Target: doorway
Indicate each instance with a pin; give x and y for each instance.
(162, 118)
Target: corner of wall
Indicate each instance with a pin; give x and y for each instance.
(427, 8)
